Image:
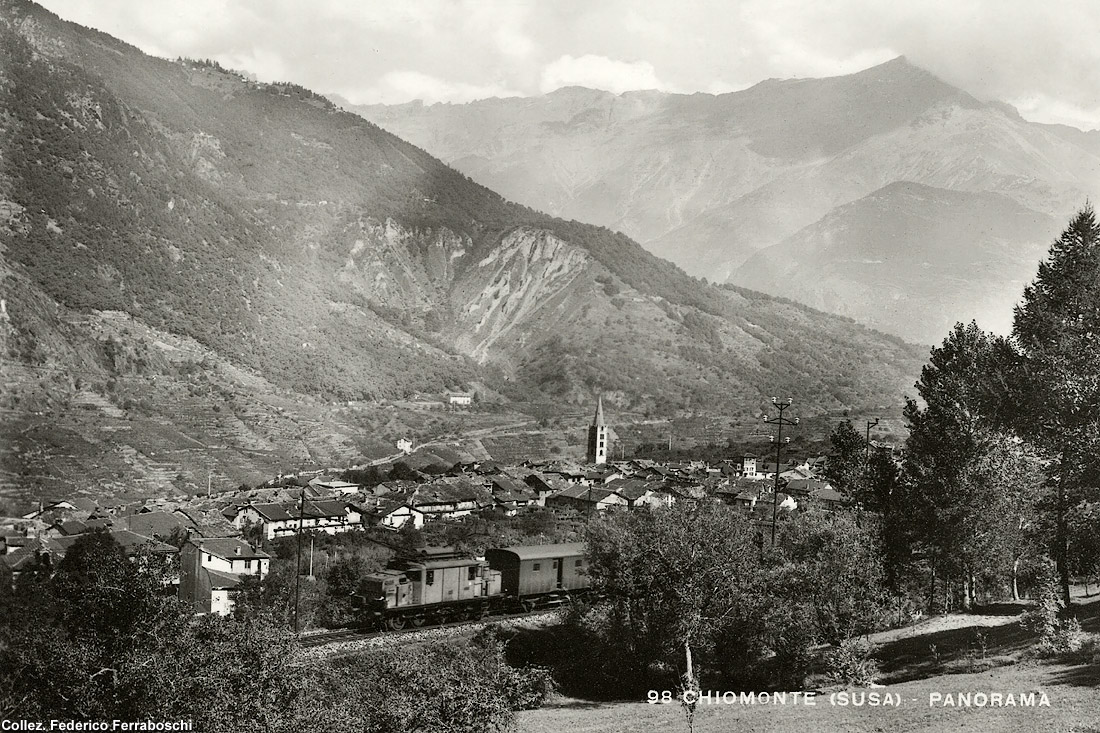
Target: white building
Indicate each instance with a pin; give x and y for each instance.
(212, 569)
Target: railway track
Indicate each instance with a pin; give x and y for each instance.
(341, 635)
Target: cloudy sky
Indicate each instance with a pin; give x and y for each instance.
(1042, 57)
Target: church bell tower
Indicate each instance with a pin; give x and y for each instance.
(597, 436)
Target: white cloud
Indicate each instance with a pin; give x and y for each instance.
(396, 87)
(1044, 60)
(1042, 108)
(599, 72)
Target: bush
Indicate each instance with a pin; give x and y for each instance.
(1056, 636)
(850, 663)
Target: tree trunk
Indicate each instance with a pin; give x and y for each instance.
(968, 592)
(1015, 578)
(690, 684)
(1062, 535)
(932, 588)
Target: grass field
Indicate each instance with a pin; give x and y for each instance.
(980, 653)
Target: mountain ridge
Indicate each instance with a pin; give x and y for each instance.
(708, 181)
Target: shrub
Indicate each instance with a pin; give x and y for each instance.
(1056, 636)
(850, 663)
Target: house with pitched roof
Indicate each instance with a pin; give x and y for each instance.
(545, 485)
(211, 570)
(281, 520)
(587, 498)
(393, 514)
(450, 497)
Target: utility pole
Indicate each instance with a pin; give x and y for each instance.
(590, 505)
(298, 565)
(311, 538)
(870, 424)
(780, 421)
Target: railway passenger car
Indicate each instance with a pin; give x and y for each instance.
(539, 575)
(433, 586)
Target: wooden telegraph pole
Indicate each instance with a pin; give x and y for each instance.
(780, 421)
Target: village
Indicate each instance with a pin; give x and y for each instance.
(216, 540)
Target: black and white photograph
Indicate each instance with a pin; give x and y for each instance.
(525, 366)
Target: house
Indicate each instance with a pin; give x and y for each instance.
(740, 496)
(800, 471)
(639, 492)
(132, 543)
(405, 446)
(280, 520)
(803, 487)
(274, 519)
(207, 521)
(21, 559)
(211, 570)
(157, 524)
(602, 475)
(72, 526)
(450, 498)
(460, 399)
(332, 516)
(748, 466)
(784, 502)
(567, 471)
(545, 485)
(51, 550)
(394, 514)
(677, 491)
(767, 470)
(395, 488)
(827, 497)
(333, 487)
(511, 495)
(586, 498)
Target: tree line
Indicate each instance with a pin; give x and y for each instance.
(999, 473)
(992, 496)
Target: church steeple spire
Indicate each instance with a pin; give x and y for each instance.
(597, 436)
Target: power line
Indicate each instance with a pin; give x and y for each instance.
(780, 421)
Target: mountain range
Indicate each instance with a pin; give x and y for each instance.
(199, 272)
(791, 186)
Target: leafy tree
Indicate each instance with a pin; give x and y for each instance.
(832, 565)
(1084, 540)
(344, 576)
(672, 578)
(91, 635)
(1057, 330)
(954, 462)
(847, 465)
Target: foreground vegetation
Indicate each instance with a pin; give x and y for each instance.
(101, 637)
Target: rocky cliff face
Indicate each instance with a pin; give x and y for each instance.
(708, 181)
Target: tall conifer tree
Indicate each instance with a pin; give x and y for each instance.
(1057, 329)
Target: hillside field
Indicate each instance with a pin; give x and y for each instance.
(961, 665)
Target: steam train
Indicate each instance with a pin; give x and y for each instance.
(438, 585)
